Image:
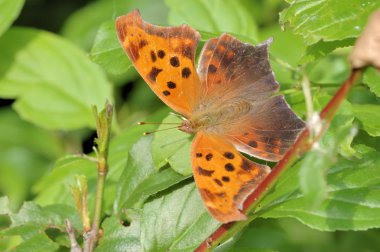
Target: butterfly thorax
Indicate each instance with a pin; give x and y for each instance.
(215, 118)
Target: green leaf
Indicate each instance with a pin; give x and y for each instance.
(46, 217)
(319, 159)
(352, 202)
(54, 187)
(173, 147)
(290, 235)
(118, 237)
(33, 223)
(338, 70)
(82, 26)
(213, 16)
(108, 53)
(20, 169)
(26, 153)
(371, 77)
(183, 213)
(312, 177)
(140, 179)
(54, 83)
(4, 206)
(369, 117)
(328, 20)
(260, 236)
(323, 48)
(37, 243)
(16, 133)
(9, 10)
(285, 46)
(284, 59)
(122, 143)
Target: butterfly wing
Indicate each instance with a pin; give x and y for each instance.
(238, 73)
(268, 131)
(228, 65)
(164, 57)
(223, 176)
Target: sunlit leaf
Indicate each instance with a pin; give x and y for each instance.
(369, 117)
(140, 179)
(371, 77)
(328, 20)
(109, 54)
(32, 222)
(9, 10)
(183, 213)
(213, 16)
(352, 202)
(82, 26)
(45, 74)
(172, 146)
(118, 237)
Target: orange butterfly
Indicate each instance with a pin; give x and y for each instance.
(229, 102)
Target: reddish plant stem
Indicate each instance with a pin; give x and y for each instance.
(303, 144)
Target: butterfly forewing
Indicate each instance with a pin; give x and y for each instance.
(223, 176)
(164, 57)
(227, 65)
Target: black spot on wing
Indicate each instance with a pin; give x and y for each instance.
(229, 167)
(171, 85)
(218, 182)
(143, 43)
(161, 54)
(245, 165)
(226, 179)
(253, 144)
(174, 61)
(212, 68)
(186, 72)
(229, 155)
(154, 73)
(153, 56)
(204, 172)
(209, 156)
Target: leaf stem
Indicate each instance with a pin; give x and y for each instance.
(74, 246)
(303, 144)
(307, 94)
(103, 128)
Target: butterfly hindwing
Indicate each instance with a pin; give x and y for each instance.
(262, 124)
(164, 57)
(223, 176)
(267, 131)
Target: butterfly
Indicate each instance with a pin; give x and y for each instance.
(230, 103)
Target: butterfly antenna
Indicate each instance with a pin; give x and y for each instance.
(151, 132)
(156, 123)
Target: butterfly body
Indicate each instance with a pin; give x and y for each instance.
(230, 103)
(216, 119)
